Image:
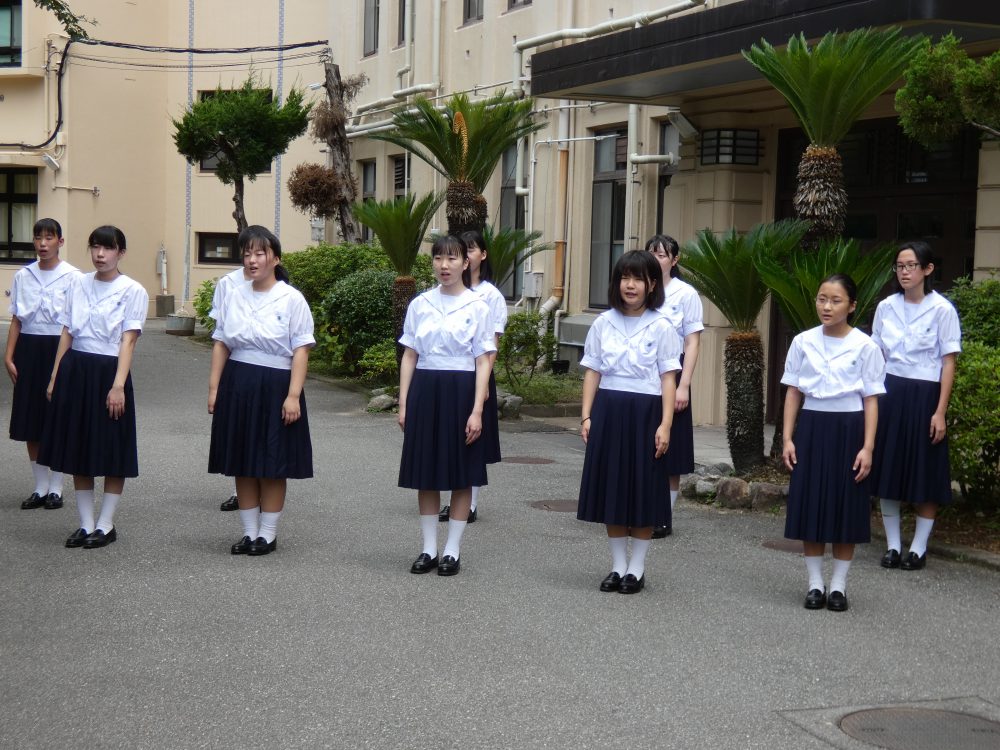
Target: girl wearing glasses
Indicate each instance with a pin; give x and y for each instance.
(919, 334)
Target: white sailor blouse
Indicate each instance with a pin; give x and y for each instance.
(682, 307)
(222, 287)
(97, 313)
(38, 297)
(497, 304)
(838, 379)
(448, 334)
(632, 361)
(915, 349)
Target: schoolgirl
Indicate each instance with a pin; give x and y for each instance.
(37, 296)
(631, 356)
(222, 287)
(919, 333)
(835, 373)
(260, 428)
(443, 385)
(481, 275)
(90, 426)
(682, 307)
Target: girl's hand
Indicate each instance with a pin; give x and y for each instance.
(11, 370)
(662, 440)
(473, 428)
(937, 428)
(788, 455)
(682, 398)
(585, 430)
(48, 391)
(116, 401)
(211, 400)
(291, 410)
(401, 419)
(862, 464)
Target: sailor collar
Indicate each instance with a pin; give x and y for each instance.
(617, 321)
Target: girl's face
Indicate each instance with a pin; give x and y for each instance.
(448, 268)
(105, 259)
(909, 273)
(259, 262)
(634, 292)
(665, 259)
(833, 305)
(47, 246)
(476, 257)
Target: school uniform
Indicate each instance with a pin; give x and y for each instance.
(222, 287)
(682, 307)
(491, 419)
(914, 340)
(37, 298)
(825, 504)
(262, 330)
(448, 333)
(622, 482)
(80, 437)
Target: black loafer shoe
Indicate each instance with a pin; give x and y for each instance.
(611, 582)
(241, 547)
(912, 561)
(890, 559)
(449, 566)
(444, 513)
(815, 599)
(631, 585)
(259, 547)
(53, 501)
(98, 538)
(837, 601)
(35, 501)
(659, 532)
(472, 516)
(77, 538)
(424, 564)
(231, 504)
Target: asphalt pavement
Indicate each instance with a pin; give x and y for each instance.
(163, 639)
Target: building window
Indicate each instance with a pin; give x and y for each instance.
(400, 175)
(18, 212)
(367, 192)
(730, 147)
(371, 27)
(472, 10)
(10, 33)
(218, 247)
(607, 219)
(512, 213)
(401, 23)
(511, 4)
(211, 163)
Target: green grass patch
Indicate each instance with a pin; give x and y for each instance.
(545, 388)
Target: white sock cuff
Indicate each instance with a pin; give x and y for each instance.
(250, 518)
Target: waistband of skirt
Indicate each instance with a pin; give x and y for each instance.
(635, 385)
(914, 372)
(95, 346)
(444, 362)
(41, 329)
(256, 357)
(849, 402)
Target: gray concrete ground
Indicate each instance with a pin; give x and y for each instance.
(164, 639)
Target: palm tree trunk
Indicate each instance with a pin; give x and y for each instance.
(404, 289)
(744, 373)
(820, 196)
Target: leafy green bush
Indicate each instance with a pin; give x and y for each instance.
(203, 304)
(525, 344)
(978, 305)
(359, 313)
(315, 270)
(546, 388)
(379, 361)
(974, 424)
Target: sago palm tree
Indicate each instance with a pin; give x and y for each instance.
(509, 248)
(828, 87)
(464, 141)
(722, 269)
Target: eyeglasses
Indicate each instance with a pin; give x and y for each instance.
(911, 266)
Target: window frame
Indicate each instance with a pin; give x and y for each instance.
(401, 188)
(512, 205)
(368, 191)
(9, 199)
(514, 4)
(472, 11)
(614, 246)
(11, 55)
(369, 32)
(201, 240)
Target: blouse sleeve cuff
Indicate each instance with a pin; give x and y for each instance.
(133, 325)
(298, 341)
(790, 379)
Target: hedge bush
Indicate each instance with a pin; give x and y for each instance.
(359, 313)
(379, 361)
(203, 304)
(974, 424)
(315, 270)
(526, 343)
(978, 305)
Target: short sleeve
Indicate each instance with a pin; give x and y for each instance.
(793, 363)
(668, 357)
(949, 331)
(219, 299)
(14, 286)
(694, 314)
(136, 309)
(872, 371)
(64, 316)
(483, 343)
(300, 323)
(592, 350)
(877, 324)
(408, 339)
(498, 312)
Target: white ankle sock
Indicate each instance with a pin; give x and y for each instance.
(454, 543)
(814, 564)
(890, 519)
(637, 562)
(106, 521)
(838, 581)
(619, 554)
(250, 518)
(85, 507)
(269, 526)
(673, 498)
(475, 498)
(41, 474)
(55, 483)
(921, 535)
(429, 529)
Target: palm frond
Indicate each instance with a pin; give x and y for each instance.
(509, 248)
(400, 225)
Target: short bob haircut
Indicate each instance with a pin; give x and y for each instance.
(925, 256)
(640, 265)
(107, 236)
(255, 236)
(47, 226)
(474, 237)
(669, 244)
(450, 244)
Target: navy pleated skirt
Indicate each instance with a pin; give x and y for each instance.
(623, 484)
(825, 504)
(680, 454)
(491, 425)
(435, 456)
(248, 437)
(34, 356)
(80, 437)
(907, 466)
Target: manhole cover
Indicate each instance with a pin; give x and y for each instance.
(921, 729)
(783, 545)
(559, 506)
(526, 460)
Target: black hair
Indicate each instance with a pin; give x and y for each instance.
(925, 256)
(475, 237)
(847, 283)
(47, 226)
(107, 236)
(256, 236)
(450, 244)
(669, 244)
(640, 265)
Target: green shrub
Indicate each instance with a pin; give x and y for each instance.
(203, 304)
(315, 270)
(974, 424)
(978, 306)
(379, 361)
(546, 388)
(423, 272)
(359, 313)
(526, 343)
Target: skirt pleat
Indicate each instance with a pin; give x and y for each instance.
(491, 425)
(680, 454)
(825, 504)
(622, 483)
(80, 437)
(907, 466)
(435, 456)
(34, 356)
(249, 438)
